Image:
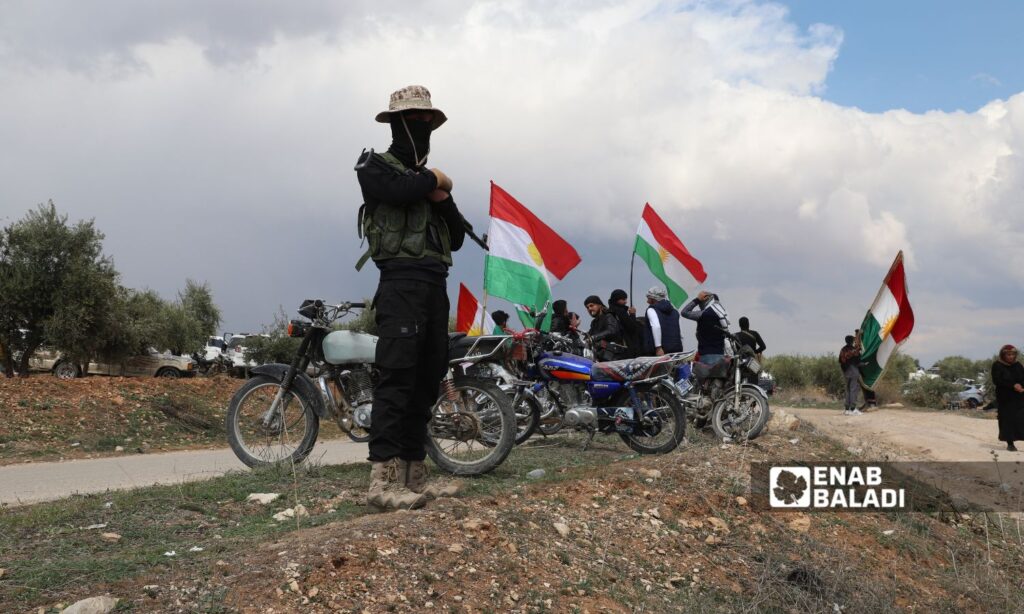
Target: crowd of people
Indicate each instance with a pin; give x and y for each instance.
(618, 332)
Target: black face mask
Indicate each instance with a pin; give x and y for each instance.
(411, 152)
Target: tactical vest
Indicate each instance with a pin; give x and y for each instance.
(403, 231)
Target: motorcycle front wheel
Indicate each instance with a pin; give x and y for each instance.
(740, 421)
(472, 430)
(259, 436)
(663, 424)
(528, 412)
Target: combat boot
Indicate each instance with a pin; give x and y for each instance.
(387, 487)
(416, 481)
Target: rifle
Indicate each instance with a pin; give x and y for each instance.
(371, 158)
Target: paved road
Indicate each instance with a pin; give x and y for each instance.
(35, 482)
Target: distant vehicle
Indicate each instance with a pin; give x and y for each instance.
(151, 364)
(766, 382)
(215, 346)
(922, 374)
(971, 396)
(236, 352)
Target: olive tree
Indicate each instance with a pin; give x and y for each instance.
(55, 285)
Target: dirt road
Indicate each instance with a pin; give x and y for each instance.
(910, 435)
(35, 482)
(960, 454)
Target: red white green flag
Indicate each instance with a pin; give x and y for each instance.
(887, 324)
(470, 313)
(525, 257)
(667, 257)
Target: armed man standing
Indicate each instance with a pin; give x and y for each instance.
(412, 226)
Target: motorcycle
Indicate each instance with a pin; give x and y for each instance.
(217, 365)
(634, 398)
(720, 395)
(275, 417)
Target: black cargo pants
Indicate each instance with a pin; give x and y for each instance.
(412, 357)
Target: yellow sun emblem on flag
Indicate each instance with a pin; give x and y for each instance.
(890, 322)
(535, 255)
(663, 255)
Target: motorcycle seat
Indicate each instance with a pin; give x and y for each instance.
(460, 344)
(718, 370)
(626, 370)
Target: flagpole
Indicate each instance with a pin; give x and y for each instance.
(632, 261)
(483, 314)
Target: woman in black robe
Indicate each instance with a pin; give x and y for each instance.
(1008, 378)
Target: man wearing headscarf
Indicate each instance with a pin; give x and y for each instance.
(662, 335)
(712, 320)
(1008, 379)
(412, 226)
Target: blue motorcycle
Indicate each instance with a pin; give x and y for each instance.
(637, 398)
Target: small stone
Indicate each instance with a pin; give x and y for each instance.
(717, 524)
(92, 605)
(888, 532)
(301, 511)
(2, 572)
(284, 515)
(110, 537)
(536, 474)
(800, 523)
(313, 592)
(741, 501)
(170, 553)
(457, 598)
(262, 498)
(712, 540)
(475, 524)
(654, 512)
(293, 586)
(456, 548)
(118, 448)
(562, 529)
(794, 441)
(652, 473)
(76, 444)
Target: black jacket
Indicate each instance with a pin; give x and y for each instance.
(605, 329)
(632, 333)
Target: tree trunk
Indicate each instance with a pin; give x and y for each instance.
(25, 358)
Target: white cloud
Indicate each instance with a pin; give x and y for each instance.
(186, 126)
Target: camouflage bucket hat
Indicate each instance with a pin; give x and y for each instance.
(412, 98)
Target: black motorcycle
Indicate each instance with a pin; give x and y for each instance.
(275, 417)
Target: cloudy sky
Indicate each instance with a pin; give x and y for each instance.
(795, 146)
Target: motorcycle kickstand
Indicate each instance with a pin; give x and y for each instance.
(590, 438)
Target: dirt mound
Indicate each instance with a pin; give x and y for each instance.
(49, 419)
(672, 533)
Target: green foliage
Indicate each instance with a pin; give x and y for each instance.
(825, 373)
(928, 392)
(55, 283)
(952, 367)
(197, 303)
(277, 346)
(787, 370)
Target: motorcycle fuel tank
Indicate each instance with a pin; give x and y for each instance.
(346, 347)
(565, 367)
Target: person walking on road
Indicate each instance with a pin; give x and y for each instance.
(661, 335)
(849, 362)
(1008, 379)
(712, 322)
(412, 226)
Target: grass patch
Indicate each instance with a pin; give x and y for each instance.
(49, 551)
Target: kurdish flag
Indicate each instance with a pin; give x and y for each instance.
(525, 256)
(667, 257)
(887, 324)
(468, 314)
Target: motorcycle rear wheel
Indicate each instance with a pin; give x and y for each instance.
(288, 437)
(745, 424)
(474, 433)
(666, 408)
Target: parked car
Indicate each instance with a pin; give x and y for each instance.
(152, 364)
(235, 350)
(215, 346)
(971, 396)
(767, 382)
